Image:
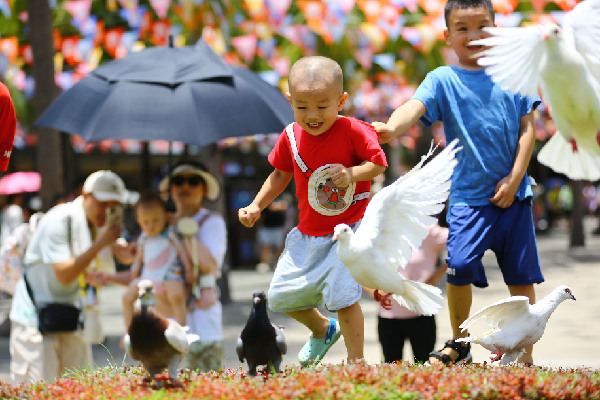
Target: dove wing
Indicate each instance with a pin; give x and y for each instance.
(176, 336)
(497, 313)
(239, 349)
(581, 28)
(513, 56)
(396, 218)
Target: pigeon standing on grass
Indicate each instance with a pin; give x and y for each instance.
(394, 224)
(565, 64)
(155, 341)
(261, 342)
(515, 324)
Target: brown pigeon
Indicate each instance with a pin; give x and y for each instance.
(156, 342)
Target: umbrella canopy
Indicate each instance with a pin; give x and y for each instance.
(20, 182)
(186, 94)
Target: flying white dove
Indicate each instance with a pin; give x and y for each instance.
(515, 324)
(394, 224)
(565, 65)
(155, 341)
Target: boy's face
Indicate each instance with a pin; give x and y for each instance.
(151, 218)
(316, 107)
(464, 26)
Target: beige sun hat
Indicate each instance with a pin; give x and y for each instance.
(213, 189)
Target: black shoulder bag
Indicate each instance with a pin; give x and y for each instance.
(56, 317)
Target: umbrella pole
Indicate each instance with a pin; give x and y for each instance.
(170, 204)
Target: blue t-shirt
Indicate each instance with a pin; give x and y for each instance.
(486, 120)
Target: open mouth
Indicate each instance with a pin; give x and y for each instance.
(314, 125)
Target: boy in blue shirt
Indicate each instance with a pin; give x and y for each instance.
(490, 198)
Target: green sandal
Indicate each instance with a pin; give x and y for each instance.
(314, 350)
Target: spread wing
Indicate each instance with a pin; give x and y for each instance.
(497, 313)
(513, 56)
(176, 336)
(396, 218)
(581, 28)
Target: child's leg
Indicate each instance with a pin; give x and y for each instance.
(529, 291)
(313, 320)
(459, 306)
(128, 300)
(175, 295)
(352, 325)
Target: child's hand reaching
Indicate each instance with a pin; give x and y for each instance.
(505, 192)
(385, 132)
(340, 175)
(249, 215)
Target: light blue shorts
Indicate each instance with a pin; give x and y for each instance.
(309, 273)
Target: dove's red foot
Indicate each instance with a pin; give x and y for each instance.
(573, 144)
(598, 138)
(498, 355)
(384, 300)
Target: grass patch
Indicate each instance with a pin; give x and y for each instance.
(361, 382)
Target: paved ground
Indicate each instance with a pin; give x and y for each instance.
(571, 337)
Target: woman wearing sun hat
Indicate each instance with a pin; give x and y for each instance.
(189, 184)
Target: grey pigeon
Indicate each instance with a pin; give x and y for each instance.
(515, 324)
(564, 63)
(261, 342)
(155, 341)
(395, 223)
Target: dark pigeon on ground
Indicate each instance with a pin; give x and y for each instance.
(261, 343)
(155, 341)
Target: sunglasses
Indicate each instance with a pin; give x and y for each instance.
(193, 181)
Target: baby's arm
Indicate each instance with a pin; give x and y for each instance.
(506, 189)
(275, 183)
(401, 119)
(343, 176)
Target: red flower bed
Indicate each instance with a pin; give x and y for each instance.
(395, 381)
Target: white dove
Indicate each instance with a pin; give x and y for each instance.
(515, 324)
(155, 341)
(394, 224)
(565, 65)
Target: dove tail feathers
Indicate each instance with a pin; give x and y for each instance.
(420, 297)
(579, 164)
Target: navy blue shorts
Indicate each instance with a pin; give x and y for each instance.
(508, 232)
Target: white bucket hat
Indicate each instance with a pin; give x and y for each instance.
(213, 189)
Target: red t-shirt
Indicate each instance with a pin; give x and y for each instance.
(8, 126)
(349, 142)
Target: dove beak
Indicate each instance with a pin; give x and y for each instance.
(335, 237)
(573, 297)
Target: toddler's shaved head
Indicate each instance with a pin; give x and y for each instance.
(316, 72)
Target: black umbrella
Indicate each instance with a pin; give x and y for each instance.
(186, 94)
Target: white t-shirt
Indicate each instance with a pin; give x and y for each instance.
(208, 323)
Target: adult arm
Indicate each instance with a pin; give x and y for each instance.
(506, 189)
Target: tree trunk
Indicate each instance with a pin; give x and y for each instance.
(577, 233)
(49, 154)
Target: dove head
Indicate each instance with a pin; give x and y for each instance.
(259, 297)
(564, 292)
(145, 292)
(341, 232)
(550, 32)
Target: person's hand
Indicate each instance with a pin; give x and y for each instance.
(384, 131)
(124, 251)
(504, 194)
(249, 215)
(96, 278)
(110, 234)
(340, 175)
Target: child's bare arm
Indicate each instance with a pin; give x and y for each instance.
(401, 119)
(343, 176)
(275, 183)
(506, 189)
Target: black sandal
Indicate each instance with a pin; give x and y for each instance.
(463, 350)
